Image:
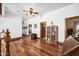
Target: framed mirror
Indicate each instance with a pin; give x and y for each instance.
(76, 26)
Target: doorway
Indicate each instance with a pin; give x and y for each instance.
(71, 25)
(43, 30)
(30, 29)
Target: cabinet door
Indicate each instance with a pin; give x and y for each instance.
(56, 33)
(52, 33)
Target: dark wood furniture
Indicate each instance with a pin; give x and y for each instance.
(33, 36)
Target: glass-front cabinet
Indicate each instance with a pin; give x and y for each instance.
(52, 34)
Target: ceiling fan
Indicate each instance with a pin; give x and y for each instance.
(30, 12)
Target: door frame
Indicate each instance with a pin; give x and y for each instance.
(45, 29)
(73, 17)
(30, 28)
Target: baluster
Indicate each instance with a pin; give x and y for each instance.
(1, 38)
(7, 39)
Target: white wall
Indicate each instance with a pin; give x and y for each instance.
(33, 21)
(58, 18)
(24, 24)
(11, 22)
(14, 24)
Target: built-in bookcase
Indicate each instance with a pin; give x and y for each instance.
(52, 34)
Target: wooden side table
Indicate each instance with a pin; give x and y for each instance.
(33, 36)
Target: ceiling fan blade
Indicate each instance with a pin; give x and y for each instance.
(18, 11)
(35, 12)
(26, 14)
(25, 10)
(31, 8)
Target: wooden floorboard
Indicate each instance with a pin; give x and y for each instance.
(29, 47)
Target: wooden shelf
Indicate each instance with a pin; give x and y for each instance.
(52, 34)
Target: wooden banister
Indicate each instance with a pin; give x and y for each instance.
(70, 47)
(7, 39)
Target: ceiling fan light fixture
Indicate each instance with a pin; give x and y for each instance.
(30, 12)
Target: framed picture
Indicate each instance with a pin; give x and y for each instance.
(35, 25)
(30, 25)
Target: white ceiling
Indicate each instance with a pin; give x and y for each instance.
(42, 8)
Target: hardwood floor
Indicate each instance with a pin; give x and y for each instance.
(29, 47)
